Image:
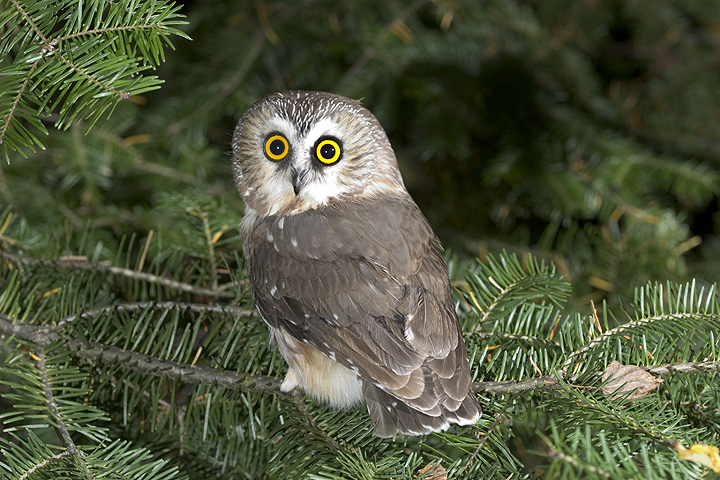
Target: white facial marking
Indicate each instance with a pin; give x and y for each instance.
(320, 190)
(324, 184)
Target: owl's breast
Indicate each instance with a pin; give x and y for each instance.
(387, 231)
(351, 263)
(318, 374)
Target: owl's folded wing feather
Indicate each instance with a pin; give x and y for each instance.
(367, 285)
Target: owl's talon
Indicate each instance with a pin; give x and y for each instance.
(291, 382)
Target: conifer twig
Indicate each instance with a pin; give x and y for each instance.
(24, 259)
(183, 372)
(43, 335)
(574, 462)
(621, 328)
(510, 336)
(63, 432)
(311, 420)
(44, 462)
(52, 406)
(135, 306)
(121, 28)
(30, 22)
(547, 382)
(496, 422)
(11, 113)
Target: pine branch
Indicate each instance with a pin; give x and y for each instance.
(58, 420)
(210, 242)
(550, 382)
(577, 463)
(191, 374)
(43, 336)
(30, 22)
(603, 337)
(41, 465)
(124, 28)
(169, 305)
(311, 423)
(496, 422)
(183, 372)
(522, 338)
(78, 73)
(10, 116)
(75, 263)
(619, 417)
(64, 434)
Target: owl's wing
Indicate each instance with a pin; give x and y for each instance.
(367, 285)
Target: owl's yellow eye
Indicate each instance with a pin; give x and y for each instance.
(328, 151)
(276, 147)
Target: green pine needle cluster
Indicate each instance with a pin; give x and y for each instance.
(74, 61)
(564, 150)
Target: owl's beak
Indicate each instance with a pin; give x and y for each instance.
(298, 179)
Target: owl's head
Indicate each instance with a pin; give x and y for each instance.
(297, 150)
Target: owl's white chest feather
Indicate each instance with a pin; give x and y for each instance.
(320, 376)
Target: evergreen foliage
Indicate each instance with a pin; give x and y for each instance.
(570, 145)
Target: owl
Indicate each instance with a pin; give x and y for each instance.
(344, 267)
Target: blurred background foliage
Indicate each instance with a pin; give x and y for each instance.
(583, 131)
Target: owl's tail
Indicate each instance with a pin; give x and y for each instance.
(390, 415)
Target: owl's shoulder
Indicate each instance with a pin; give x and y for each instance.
(387, 230)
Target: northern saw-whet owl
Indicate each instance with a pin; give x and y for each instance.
(344, 267)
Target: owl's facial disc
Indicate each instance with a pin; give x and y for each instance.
(306, 168)
(294, 151)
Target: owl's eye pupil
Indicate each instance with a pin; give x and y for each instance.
(328, 150)
(276, 147)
